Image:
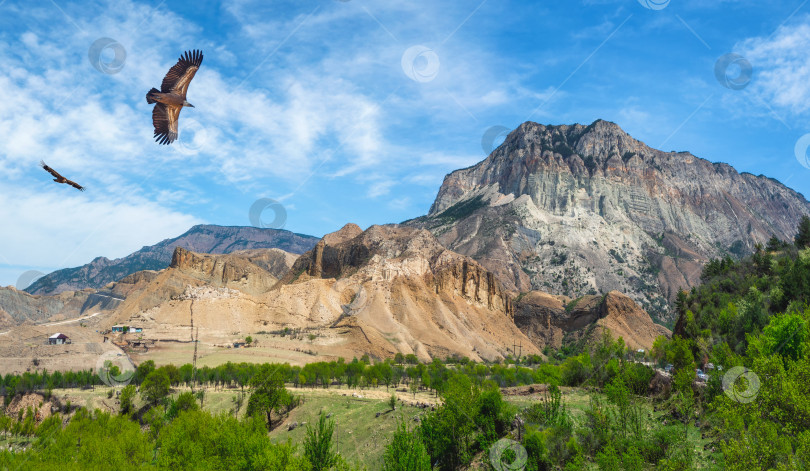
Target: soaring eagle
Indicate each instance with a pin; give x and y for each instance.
(172, 96)
(59, 178)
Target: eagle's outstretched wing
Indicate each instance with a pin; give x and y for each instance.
(180, 75)
(50, 170)
(74, 185)
(164, 119)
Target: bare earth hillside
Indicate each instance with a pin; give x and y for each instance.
(386, 290)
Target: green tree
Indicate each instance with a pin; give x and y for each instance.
(200, 396)
(803, 234)
(155, 387)
(269, 395)
(681, 302)
(184, 402)
(406, 452)
(786, 335)
(127, 399)
(679, 352)
(392, 402)
(774, 244)
(143, 370)
(172, 372)
(449, 432)
(318, 444)
(537, 454)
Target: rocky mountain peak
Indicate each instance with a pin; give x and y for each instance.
(578, 210)
(349, 231)
(547, 319)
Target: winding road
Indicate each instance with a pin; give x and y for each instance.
(70, 320)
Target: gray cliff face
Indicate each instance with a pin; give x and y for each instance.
(578, 210)
(200, 239)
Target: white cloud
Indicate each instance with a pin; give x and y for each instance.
(380, 188)
(65, 228)
(781, 67)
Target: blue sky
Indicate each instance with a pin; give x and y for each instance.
(353, 111)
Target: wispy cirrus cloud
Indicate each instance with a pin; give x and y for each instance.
(781, 64)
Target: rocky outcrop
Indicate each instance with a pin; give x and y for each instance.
(398, 290)
(236, 271)
(402, 251)
(202, 239)
(580, 210)
(547, 320)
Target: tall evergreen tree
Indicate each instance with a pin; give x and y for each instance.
(803, 236)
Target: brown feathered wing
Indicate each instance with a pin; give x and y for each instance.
(180, 75)
(164, 119)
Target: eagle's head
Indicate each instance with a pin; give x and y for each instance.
(186, 103)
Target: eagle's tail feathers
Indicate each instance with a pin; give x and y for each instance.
(149, 98)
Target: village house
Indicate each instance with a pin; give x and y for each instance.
(58, 339)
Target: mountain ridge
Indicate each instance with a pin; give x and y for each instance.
(203, 238)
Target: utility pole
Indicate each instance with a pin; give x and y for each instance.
(194, 361)
(194, 358)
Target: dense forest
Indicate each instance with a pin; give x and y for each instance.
(746, 326)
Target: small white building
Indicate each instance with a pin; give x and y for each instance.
(58, 339)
